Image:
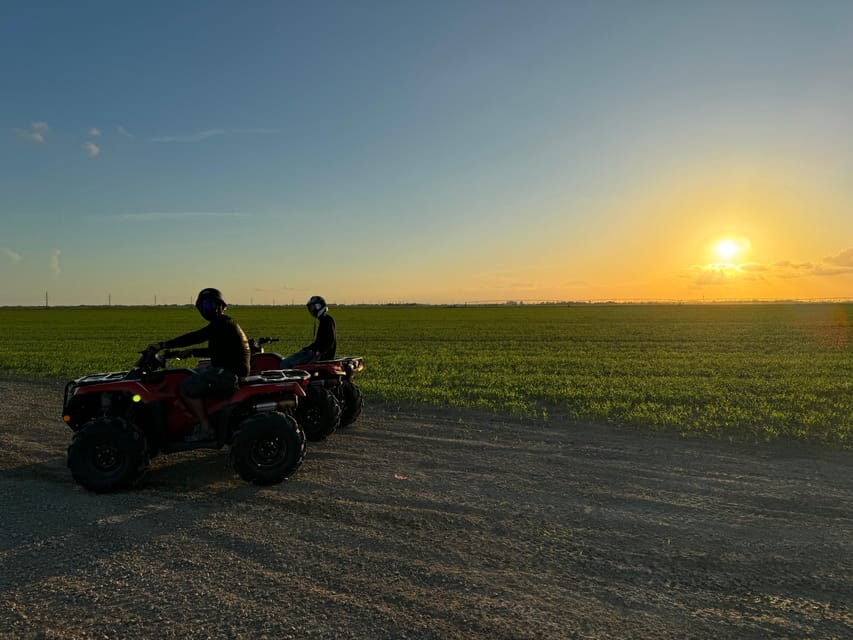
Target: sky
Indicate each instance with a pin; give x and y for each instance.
(430, 151)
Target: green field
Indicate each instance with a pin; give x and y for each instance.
(753, 372)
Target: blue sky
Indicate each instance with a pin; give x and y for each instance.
(424, 151)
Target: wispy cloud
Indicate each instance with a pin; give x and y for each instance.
(94, 132)
(725, 273)
(53, 263)
(124, 132)
(843, 260)
(175, 215)
(13, 256)
(36, 133)
(212, 133)
(92, 150)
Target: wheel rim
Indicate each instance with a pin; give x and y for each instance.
(268, 451)
(106, 457)
(314, 415)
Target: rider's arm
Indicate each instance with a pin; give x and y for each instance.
(188, 339)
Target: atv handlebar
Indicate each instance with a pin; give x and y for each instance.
(256, 344)
(152, 360)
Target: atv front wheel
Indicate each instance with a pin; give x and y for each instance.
(353, 403)
(268, 448)
(318, 413)
(108, 454)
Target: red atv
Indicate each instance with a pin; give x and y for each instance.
(332, 376)
(121, 420)
(332, 400)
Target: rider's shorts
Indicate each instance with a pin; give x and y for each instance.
(209, 381)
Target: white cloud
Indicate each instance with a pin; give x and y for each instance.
(13, 256)
(124, 132)
(36, 133)
(94, 132)
(53, 263)
(211, 133)
(92, 150)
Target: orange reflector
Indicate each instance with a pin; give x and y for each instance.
(66, 418)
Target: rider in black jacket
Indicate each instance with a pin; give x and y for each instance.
(227, 348)
(325, 340)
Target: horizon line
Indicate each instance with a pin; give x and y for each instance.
(479, 303)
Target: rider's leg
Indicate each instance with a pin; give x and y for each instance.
(197, 408)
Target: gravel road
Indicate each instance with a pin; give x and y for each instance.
(430, 524)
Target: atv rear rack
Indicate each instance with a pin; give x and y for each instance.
(277, 375)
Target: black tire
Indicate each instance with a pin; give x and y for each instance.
(268, 448)
(318, 413)
(108, 454)
(353, 403)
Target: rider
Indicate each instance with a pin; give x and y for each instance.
(325, 338)
(228, 350)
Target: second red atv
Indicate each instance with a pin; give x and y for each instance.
(331, 400)
(333, 375)
(121, 420)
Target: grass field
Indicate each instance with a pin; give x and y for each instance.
(755, 372)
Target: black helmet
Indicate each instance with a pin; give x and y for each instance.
(207, 302)
(317, 306)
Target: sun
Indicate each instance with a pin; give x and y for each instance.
(728, 250)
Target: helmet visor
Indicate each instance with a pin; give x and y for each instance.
(209, 306)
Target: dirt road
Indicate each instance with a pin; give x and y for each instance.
(430, 525)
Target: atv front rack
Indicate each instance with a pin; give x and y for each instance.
(94, 378)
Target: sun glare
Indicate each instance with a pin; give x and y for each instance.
(726, 249)
(730, 249)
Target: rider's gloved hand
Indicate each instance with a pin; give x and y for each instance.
(155, 347)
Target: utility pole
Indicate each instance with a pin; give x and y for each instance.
(45, 300)
(155, 299)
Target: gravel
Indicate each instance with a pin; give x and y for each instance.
(430, 524)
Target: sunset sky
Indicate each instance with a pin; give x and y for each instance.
(425, 151)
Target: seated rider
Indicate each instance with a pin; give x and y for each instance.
(228, 350)
(325, 338)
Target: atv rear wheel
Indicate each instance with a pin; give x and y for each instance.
(268, 448)
(108, 454)
(318, 413)
(353, 403)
